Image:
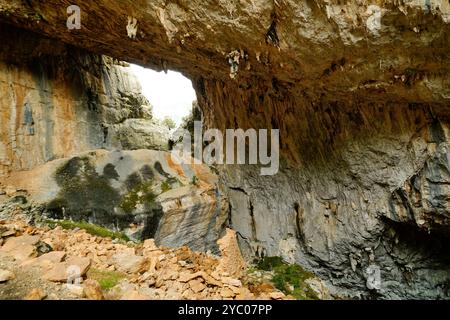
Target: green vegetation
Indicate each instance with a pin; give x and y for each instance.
(106, 279)
(269, 263)
(289, 278)
(195, 181)
(165, 186)
(90, 228)
(169, 123)
(141, 194)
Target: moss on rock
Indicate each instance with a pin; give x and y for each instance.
(83, 188)
(86, 195)
(141, 194)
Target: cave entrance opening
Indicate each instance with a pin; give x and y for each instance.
(171, 94)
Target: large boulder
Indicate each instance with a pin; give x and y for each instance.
(141, 192)
(134, 134)
(58, 101)
(21, 248)
(192, 216)
(70, 270)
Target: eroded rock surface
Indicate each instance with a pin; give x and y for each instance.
(326, 45)
(377, 202)
(58, 100)
(140, 192)
(360, 91)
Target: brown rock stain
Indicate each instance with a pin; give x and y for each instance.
(176, 167)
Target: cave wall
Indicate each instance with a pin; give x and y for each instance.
(354, 174)
(57, 100)
(73, 126)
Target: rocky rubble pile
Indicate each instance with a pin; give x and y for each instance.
(67, 258)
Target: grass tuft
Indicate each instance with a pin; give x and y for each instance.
(106, 279)
(92, 229)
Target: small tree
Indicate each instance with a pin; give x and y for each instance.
(169, 123)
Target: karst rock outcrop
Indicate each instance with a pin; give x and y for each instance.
(359, 89)
(58, 100)
(142, 193)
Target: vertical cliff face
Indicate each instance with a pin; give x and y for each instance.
(360, 92)
(58, 100)
(58, 105)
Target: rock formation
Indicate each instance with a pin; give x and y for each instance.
(360, 91)
(59, 100)
(143, 193)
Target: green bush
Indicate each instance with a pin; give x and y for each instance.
(289, 278)
(269, 263)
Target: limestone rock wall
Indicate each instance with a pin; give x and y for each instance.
(57, 100)
(362, 185)
(385, 46)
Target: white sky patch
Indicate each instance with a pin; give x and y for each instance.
(170, 94)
